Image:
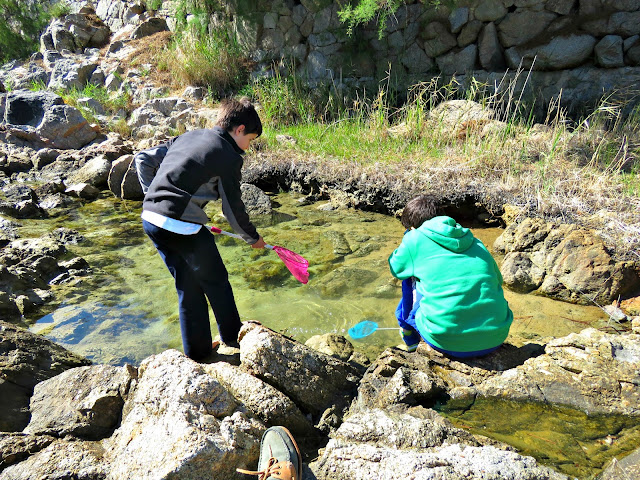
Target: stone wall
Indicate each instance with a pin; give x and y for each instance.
(584, 48)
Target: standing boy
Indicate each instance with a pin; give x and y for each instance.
(459, 307)
(178, 179)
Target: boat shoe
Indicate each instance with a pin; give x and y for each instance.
(280, 457)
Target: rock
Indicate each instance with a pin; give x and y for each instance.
(28, 108)
(15, 447)
(437, 39)
(490, 51)
(44, 157)
(95, 172)
(255, 200)
(71, 458)
(66, 128)
(450, 115)
(85, 402)
(149, 27)
(559, 54)
(591, 371)
(83, 190)
(264, 401)
(608, 52)
(417, 443)
(68, 74)
(180, 422)
(398, 377)
(521, 26)
(332, 344)
(123, 179)
(313, 380)
(25, 360)
(458, 62)
(627, 467)
(564, 262)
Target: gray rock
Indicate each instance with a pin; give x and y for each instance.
(25, 360)
(68, 74)
(311, 379)
(561, 53)
(490, 51)
(66, 128)
(520, 27)
(458, 62)
(95, 172)
(458, 18)
(489, 11)
(469, 33)
(608, 52)
(627, 467)
(180, 422)
(150, 27)
(85, 402)
(416, 60)
(438, 39)
(263, 401)
(417, 443)
(255, 200)
(28, 108)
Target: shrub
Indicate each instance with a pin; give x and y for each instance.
(21, 24)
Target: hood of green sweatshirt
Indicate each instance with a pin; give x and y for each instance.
(446, 232)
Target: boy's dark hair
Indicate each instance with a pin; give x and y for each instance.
(417, 211)
(234, 113)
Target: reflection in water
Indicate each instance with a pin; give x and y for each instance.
(127, 309)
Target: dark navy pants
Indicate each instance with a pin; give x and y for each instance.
(199, 273)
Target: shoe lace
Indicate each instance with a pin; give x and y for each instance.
(282, 470)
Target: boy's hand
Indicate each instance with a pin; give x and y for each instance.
(259, 244)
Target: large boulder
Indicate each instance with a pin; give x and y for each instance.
(85, 402)
(179, 422)
(564, 262)
(255, 200)
(23, 107)
(123, 179)
(66, 128)
(25, 360)
(316, 382)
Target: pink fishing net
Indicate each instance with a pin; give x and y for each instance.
(297, 264)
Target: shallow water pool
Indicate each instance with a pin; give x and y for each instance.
(127, 309)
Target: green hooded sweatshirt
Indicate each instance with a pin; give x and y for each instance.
(463, 308)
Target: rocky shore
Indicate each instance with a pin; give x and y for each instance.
(174, 418)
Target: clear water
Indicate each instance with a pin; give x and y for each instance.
(127, 309)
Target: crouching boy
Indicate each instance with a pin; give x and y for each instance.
(452, 287)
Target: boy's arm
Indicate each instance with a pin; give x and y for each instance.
(233, 207)
(401, 260)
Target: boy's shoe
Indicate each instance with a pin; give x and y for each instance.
(280, 457)
(411, 338)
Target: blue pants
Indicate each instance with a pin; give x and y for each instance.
(199, 273)
(406, 315)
